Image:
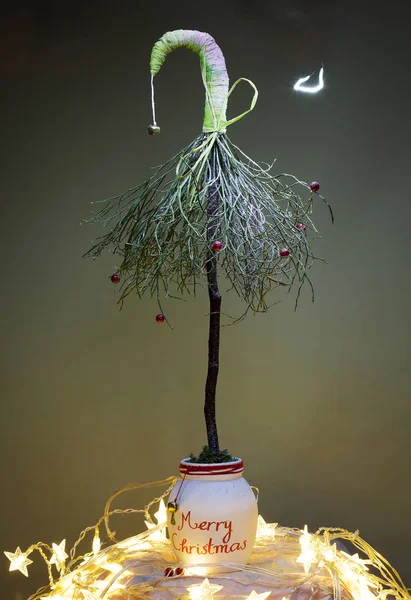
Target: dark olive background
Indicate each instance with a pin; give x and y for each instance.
(317, 401)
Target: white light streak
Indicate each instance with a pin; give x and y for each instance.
(299, 87)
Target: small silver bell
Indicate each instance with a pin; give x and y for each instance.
(172, 508)
(153, 129)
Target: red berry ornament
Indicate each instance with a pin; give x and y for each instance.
(301, 226)
(115, 278)
(314, 186)
(169, 572)
(178, 571)
(160, 318)
(217, 246)
(284, 252)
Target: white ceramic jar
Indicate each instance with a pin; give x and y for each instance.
(216, 517)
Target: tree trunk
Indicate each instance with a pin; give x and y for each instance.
(215, 314)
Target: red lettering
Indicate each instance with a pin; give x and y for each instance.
(229, 526)
(220, 548)
(172, 541)
(184, 519)
(184, 547)
(208, 546)
(206, 525)
(234, 547)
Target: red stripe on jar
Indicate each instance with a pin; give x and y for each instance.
(228, 468)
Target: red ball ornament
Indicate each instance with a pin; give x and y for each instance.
(301, 226)
(217, 246)
(160, 318)
(168, 572)
(115, 278)
(178, 571)
(284, 252)
(314, 186)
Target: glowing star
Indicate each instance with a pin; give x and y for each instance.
(355, 558)
(260, 596)
(161, 518)
(59, 555)
(203, 591)
(161, 514)
(299, 87)
(357, 584)
(329, 553)
(265, 530)
(308, 554)
(18, 561)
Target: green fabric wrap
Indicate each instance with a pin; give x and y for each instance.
(213, 71)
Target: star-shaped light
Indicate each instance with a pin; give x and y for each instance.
(161, 514)
(356, 583)
(329, 552)
(161, 518)
(254, 595)
(18, 561)
(308, 554)
(265, 530)
(59, 555)
(355, 558)
(203, 591)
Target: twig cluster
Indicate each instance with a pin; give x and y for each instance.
(160, 227)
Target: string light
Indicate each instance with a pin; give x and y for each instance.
(134, 544)
(18, 561)
(112, 567)
(126, 564)
(96, 542)
(204, 590)
(59, 555)
(161, 514)
(159, 533)
(308, 554)
(329, 554)
(265, 530)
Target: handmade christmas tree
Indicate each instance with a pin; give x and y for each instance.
(209, 211)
